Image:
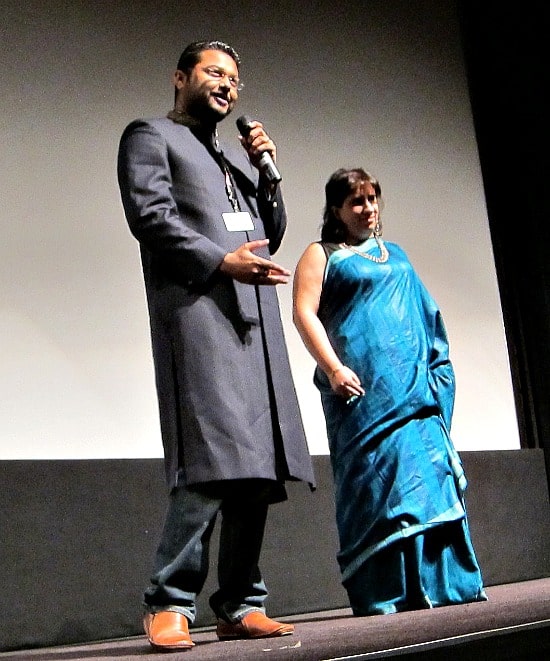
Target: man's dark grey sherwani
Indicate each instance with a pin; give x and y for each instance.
(228, 406)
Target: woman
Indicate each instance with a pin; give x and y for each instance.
(387, 390)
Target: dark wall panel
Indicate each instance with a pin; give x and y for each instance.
(77, 540)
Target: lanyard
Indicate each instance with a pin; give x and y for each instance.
(214, 148)
(230, 187)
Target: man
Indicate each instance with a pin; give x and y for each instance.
(207, 221)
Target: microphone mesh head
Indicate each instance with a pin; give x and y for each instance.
(243, 124)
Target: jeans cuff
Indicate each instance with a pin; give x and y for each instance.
(189, 614)
(236, 615)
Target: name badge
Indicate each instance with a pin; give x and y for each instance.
(238, 221)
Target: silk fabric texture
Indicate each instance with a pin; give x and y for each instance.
(404, 539)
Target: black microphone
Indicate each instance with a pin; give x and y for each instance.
(266, 165)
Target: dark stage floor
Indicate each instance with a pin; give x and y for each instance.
(514, 624)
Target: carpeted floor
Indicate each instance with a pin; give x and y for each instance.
(513, 625)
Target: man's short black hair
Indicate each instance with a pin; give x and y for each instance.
(191, 55)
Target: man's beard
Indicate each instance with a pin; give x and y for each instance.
(205, 112)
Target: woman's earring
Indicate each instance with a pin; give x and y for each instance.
(377, 228)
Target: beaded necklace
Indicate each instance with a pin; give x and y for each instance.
(384, 254)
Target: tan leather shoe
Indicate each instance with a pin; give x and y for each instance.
(253, 625)
(167, 630)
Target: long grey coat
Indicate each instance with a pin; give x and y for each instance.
(228, 406)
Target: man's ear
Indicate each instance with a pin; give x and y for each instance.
(179, 79)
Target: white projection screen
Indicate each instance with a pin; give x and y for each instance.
(377, 84)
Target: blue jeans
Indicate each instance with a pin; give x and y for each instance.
(182, 559)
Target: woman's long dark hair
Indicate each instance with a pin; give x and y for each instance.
(341, 184)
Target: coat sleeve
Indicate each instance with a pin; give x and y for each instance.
(255, 197)
(145, 182)
(273, 214)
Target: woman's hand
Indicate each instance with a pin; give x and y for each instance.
(345, 382)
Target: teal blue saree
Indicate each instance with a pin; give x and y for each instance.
(399, 482)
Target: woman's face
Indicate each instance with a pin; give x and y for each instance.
(359, 213)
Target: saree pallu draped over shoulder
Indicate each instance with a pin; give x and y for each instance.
(404, 538)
